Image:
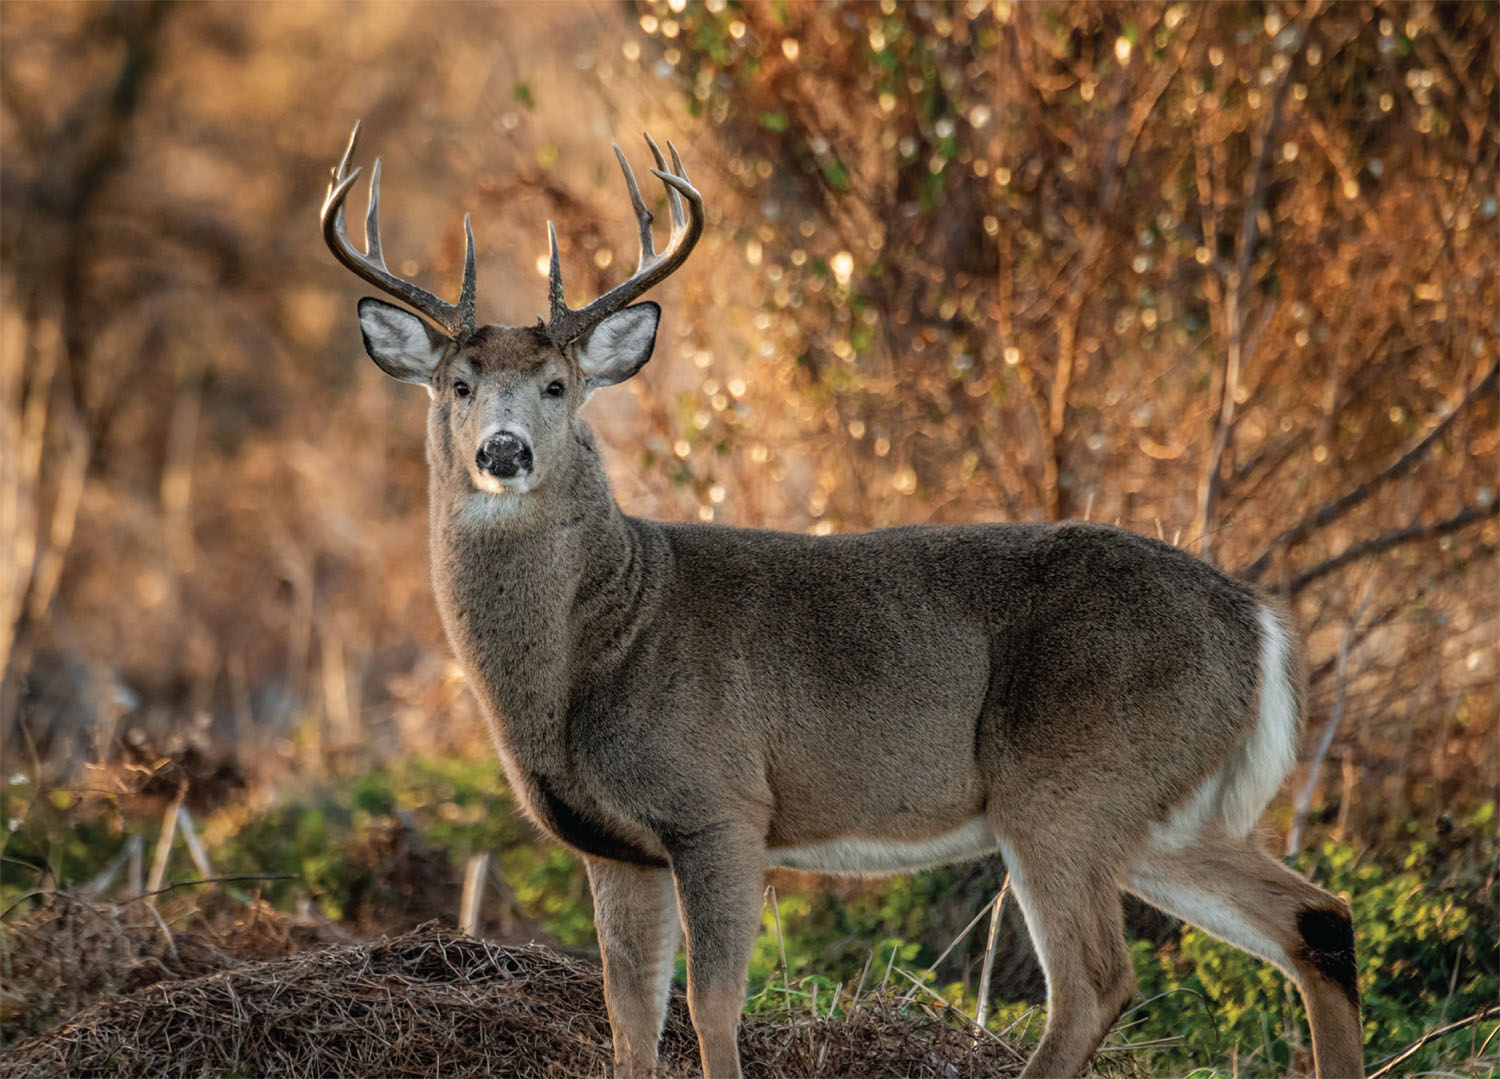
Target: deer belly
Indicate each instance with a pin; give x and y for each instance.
(873, 856)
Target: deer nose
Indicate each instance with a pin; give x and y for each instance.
(504, 455)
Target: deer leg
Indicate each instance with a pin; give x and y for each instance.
(1241, 894)
(635, 913)
(1072, 910)
(720, 875)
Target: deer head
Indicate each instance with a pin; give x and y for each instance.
(505, 399)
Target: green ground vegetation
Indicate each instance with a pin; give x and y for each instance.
(1424, 904)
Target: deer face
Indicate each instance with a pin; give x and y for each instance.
(505, 398)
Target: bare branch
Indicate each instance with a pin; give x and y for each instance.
(1241, 343)
(1384, 542)
(1332, 511)
(235, 879)
(1478, 1017)
(1303, 801)
(1384, 617)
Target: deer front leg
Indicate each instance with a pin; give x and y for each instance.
(635, 913)
(720, 875)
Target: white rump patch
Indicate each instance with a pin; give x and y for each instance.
(861, 856)
(1271, 750)
(1235, 796)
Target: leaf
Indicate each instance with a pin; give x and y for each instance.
(836, 175)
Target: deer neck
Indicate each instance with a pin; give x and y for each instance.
(524, 590)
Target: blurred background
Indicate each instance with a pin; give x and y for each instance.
(1224, 274)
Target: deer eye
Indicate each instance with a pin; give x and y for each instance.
(554, 389)
(461, 389)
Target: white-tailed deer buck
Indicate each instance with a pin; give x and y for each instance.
(686, 705)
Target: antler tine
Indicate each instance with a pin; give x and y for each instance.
(687, 226)
(457, 320)
(340, 183)
(680, 185)
(372, 219)
(642, 215)
(677, 165)
(333, 201)
(340, 172)
(554, 278)
(676, 203)
(467, 301)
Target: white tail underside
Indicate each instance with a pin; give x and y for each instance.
(1234, 797)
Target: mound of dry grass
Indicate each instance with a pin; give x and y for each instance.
(434, 1002)
(69, 954)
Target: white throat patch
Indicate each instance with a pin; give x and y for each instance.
(486, 507)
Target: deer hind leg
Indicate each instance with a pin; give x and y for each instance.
(1072, 910)
(1228, 887)
(635, 913)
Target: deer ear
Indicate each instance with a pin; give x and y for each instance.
(619, 346)
(402, 344)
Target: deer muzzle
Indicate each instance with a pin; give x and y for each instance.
(504, 455)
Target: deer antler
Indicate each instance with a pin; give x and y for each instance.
(567, 324)
(455, 320)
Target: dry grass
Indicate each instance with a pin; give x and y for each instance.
(427, 1003)
(69, 955)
